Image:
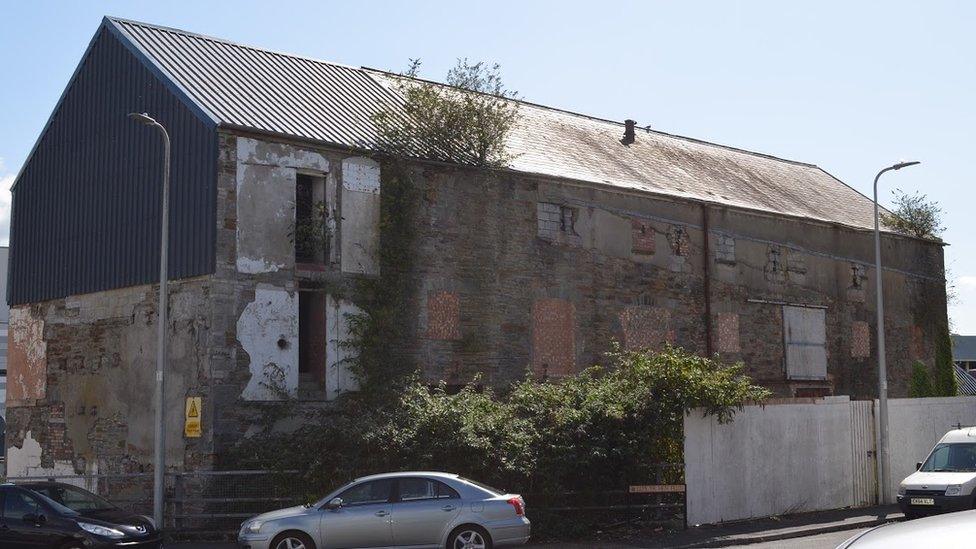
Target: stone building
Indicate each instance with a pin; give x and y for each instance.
(584, 239)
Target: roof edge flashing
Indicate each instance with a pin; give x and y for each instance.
(202, 112)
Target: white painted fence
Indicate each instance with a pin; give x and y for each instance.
(806, 456)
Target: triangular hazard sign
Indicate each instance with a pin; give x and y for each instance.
(193, 410)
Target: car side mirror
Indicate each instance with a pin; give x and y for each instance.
(334, 504)
(918, 465)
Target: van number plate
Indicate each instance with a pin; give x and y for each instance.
(923, 501)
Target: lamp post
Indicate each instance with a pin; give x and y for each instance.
(883, 468)
(159, 460)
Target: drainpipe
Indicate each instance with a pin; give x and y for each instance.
(706, 281)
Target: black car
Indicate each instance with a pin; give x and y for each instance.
(61, 516)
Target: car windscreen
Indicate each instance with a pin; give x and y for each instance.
(953, 457)
(73, 498)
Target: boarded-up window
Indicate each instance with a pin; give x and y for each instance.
(359, 235)
(805, 334)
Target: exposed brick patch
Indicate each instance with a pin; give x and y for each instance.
(443, 316)
(728, 333)
(26, 358)
(553, 337)
(860, 339)
(643, 237)
(646, 327)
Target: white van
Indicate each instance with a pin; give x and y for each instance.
(944, 482)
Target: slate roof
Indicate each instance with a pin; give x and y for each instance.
(963, 347)
(244, 87)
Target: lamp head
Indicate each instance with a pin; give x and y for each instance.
(901, 165)
(142, 118)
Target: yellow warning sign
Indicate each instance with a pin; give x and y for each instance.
(191, 427)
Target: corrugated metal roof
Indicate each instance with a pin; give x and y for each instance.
(294, 96)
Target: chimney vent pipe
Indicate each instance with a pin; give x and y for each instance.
(629, 136)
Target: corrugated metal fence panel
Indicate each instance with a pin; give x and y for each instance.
(86, 208)
(806, 349)
(863, 452)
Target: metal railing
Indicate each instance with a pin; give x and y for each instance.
(213, 504)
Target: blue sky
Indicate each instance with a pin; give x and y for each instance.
(850, 86)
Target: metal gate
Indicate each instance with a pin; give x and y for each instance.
(863, 453)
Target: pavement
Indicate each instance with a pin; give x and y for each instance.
(806, 530)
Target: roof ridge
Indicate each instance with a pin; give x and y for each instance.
(647, 129)
(228, 42)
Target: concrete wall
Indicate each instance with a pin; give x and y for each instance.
(916, 424)
(771, 460)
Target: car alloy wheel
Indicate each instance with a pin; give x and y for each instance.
(290, 543)
(469, 539)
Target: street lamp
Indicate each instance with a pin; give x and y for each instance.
(882, 368)
(159, 461)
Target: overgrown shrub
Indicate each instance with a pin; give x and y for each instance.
(599, 430)
(466, 120)
(914, 215)
(921, 385)
(944, 381)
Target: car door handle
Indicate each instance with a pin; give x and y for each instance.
(382, 513)
(448, 508)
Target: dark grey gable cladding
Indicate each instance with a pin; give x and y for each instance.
(86, 203)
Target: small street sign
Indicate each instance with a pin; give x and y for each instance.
(191, 426)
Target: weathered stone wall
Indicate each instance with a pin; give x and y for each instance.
(83, 399)
(531, 294)
(510, 274)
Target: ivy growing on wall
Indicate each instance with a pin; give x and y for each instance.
(466, 121)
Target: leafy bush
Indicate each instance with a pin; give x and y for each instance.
(914, 215)
(599, 430)
(921, 385)
(466, 120)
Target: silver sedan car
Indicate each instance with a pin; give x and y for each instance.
(411, 509)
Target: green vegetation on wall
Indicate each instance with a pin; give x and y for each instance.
(944, 380)
(602, 429)
(921, 385)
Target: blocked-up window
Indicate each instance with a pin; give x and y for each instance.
(555, 222)
(805, 338)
